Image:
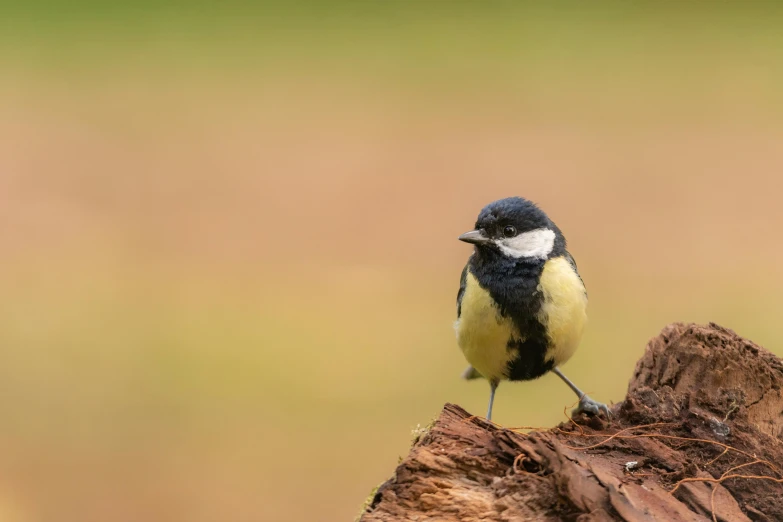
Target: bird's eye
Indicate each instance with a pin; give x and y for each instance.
(509, 231)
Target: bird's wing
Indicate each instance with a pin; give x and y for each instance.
(461, 291)
(572, 262)
(470, 372)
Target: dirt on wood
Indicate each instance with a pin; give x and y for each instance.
(698, 438)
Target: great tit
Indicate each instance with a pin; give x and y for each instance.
(521, 305)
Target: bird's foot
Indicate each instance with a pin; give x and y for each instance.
(588, 405)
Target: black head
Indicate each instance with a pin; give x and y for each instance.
(516, 228)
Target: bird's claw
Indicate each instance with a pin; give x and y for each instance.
(588, 405)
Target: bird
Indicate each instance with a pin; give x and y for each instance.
(521, 304)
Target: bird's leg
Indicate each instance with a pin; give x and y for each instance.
(493, 385)
(586, 404)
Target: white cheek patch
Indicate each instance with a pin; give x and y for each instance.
(536, 244)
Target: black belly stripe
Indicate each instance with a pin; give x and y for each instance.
(513, 285)
(529, 363)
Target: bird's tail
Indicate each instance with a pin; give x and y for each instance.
(470, 373)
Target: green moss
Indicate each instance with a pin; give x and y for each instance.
(418, 432)
(367, 502)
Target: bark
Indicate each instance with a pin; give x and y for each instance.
(697, 438)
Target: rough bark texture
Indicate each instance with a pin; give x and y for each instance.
(703, 382)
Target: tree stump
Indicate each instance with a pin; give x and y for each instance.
(697, 438)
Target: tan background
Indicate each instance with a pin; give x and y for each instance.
(229, 256)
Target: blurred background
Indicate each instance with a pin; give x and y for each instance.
(228, 255)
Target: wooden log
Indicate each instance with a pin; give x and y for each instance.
(697, 438)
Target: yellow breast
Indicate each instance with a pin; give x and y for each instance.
(482, 333)
(564, 310)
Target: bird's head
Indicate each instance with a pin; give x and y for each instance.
(515, 228)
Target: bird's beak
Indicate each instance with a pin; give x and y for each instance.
(477, 237)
